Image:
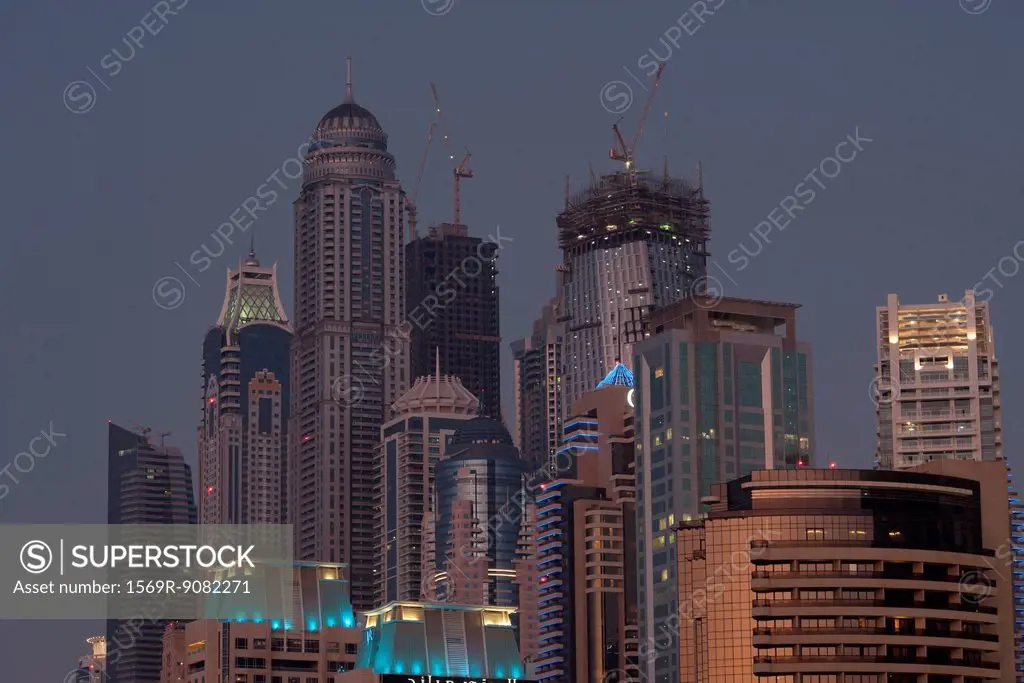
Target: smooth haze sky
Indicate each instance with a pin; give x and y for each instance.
(98, 206)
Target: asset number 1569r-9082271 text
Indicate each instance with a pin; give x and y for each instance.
(205, 587)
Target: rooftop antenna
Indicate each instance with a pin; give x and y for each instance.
(348, 82)
(162, 436)
(593, 176)
(567, 190)
(252, 246)
(664, 146)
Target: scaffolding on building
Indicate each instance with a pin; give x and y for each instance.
(620, 205)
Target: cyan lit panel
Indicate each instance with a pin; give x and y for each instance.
(309, 599)
(336, 604)
(269, 589)
(401, 649)
(502, 653)
(434, 636)
(368, 649)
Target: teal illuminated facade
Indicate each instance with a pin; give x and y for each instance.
(722, 388)
(430, 639)
(305, 596)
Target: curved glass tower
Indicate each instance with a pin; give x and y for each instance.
(480, 498)
(349, 355)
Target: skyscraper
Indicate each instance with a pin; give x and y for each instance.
(630, 244)
(723, 387)
(146, 484)
(586, 547)
(537, 387)
(451, 297)
(938, 383)
(244, 425)
(412, 443)
(349, 353)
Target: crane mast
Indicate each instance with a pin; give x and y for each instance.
(410, 202)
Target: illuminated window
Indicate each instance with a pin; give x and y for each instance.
(664, 575)
(671, 519)
(815, 534)
(668, 434)
(659, 373)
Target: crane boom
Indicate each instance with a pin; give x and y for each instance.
(410, 203)
(459, 170)
(620, 151)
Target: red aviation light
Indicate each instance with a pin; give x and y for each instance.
(209, 490)
(213, 400)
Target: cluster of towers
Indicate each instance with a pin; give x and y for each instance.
(371, 422)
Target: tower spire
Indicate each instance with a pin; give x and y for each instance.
(348, 82)
(252, 246)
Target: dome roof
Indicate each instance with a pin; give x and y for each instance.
(437, 394)
(481, 430)
(358, 117)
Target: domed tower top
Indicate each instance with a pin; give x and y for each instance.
(349, 141)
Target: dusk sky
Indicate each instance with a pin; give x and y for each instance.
(98, 206)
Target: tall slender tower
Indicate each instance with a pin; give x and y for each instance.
(243, 429)
(349, 354)
(630, 245)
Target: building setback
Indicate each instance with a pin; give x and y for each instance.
(937, 382)
(585, 540)
(847, 576)
(722, 388)
(349, 354)
(146, 484)
(630, 245)
(243, 432)
(451, 299)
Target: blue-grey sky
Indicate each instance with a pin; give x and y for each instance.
(98, 206)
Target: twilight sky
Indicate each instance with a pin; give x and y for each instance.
(98, 206)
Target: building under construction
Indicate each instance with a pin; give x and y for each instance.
(631, 243)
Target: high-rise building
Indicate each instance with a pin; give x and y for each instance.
(630, 245)
(349, 353)
(846, 576)
(146, 484)
(586, 548)
(244, 425)
(451, 299)
(937, 383)
(723, 387)
(537, 387)
(412, 443)
(479, 488)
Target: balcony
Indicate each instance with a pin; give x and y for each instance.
(779, 636)
(915, 605)
(982, 669)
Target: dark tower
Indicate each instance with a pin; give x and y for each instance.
(146, 484)
(451, 301)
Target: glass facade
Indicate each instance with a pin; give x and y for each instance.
(708, 410)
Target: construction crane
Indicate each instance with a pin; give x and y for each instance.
(410, 202)
(626, 153)
(460, 170)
